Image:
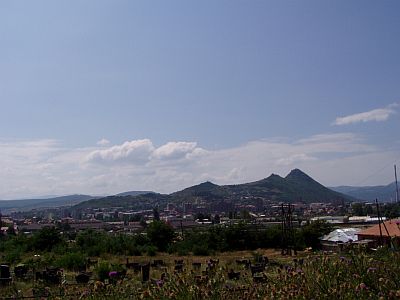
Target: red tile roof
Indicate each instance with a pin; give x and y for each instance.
(393, 227)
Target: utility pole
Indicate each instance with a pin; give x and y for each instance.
(287, 230)
(379, 221)
(397, 188)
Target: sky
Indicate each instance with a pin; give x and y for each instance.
(100, 97)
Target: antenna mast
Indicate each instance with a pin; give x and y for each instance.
(397, 188)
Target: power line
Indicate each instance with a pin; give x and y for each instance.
(377, 172)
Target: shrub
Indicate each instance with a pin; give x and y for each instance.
(72, 261)
(46, 239)
(13, 256)
(151, 251)
(102, 270)
(160, 234)
(201, 250)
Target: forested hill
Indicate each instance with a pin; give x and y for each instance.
(139, 202)
(296, 186)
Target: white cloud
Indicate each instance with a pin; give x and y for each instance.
(103, 142)
(295, 159)
(137, 151)
(378, 115)
(43, 167)
(174, 150)
(140, 152)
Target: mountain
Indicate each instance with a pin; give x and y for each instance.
(384, 193)
(134, 193)
(206, 190)
(296, 186)
(139, 202)
(28, 204)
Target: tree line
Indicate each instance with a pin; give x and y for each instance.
(69, 249)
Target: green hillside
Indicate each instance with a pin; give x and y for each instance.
(296, 186)
(139, 202)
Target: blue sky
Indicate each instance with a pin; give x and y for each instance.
(180, 92)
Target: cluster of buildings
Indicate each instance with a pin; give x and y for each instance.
(350, 230)
(383, 233)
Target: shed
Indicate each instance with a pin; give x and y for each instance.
(337, 238)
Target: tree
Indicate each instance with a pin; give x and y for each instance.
(314, 231)
(358, 209)
(156, 214)
(11, 230)
(143, 222)
(217, 219)
(160, 234)
(46, 239)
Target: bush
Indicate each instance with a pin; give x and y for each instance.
(46, 239)
(160, 234)
(201, 250)
(312, 232)
(151, 251)
(181, 248)
(72, 261)
(102, 270)
(13, 256)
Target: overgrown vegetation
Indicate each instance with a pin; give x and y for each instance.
(355, 275)
(71, 250)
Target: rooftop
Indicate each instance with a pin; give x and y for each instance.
(392, 226)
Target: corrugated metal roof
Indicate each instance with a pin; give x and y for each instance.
(343, 235)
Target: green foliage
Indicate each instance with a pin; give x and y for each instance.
(241, 236)
(201, 250)
(160, 234)
(361, 276)
(14, 256)
(312, 232)
(156, 214)
(46, 239)
(391, 210)
(74, 261)
(91, 242)
(102, 270)
(151, 250)
(11, 230)
(95, 243)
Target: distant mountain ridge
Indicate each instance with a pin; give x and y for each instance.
(28, 204)
(384, 193)
(134, 193)
(295, 187)
(58, 201)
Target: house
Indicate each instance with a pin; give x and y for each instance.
(386, 233)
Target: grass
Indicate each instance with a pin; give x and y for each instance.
(321, 276)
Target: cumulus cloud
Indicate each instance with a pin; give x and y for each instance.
(174, 150)
(378, 115)
(140, 152)
(43, 167)
(103, 142)
(137, 151)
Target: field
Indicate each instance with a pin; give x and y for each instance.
(306, 276)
